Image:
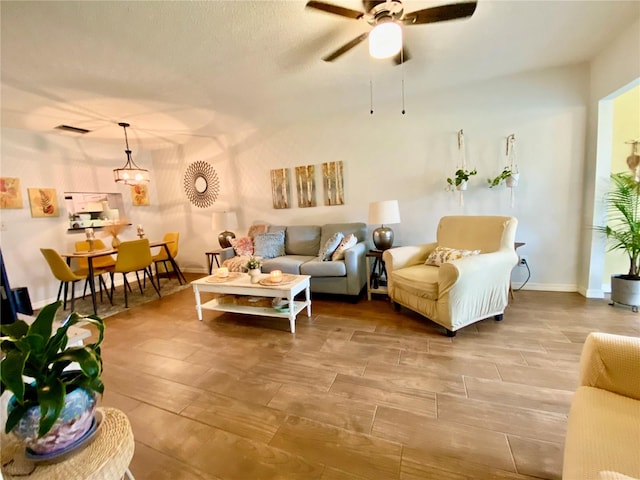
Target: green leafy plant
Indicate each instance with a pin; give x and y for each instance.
(461, 175)
(37, 352)
(506, 173)
(253, 263)
(623, 229)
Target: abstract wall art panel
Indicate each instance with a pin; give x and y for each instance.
(306, 186)
(280, 188)
(140, 195)
(10, 193)
(44, 202)
(333, 182)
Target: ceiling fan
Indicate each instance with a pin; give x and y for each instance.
(390, 13)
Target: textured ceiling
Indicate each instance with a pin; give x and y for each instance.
(211, 68)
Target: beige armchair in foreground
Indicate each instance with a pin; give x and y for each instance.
(459, 291)
(603, 430)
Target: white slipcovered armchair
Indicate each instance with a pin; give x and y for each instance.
(461, 291)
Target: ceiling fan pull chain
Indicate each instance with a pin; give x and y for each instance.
(371, 97)
(402, 66)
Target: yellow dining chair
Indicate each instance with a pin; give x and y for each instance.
(134, 256)
(106, 263)
(62, 272)
(162, 257)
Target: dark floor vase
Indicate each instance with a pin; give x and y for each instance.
(625, 290)
(74, 422)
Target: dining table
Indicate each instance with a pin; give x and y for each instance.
(91, 254)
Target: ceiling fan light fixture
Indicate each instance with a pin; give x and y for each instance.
(385, 40)
(130, 173)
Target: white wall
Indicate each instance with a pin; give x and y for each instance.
(386, 156)
(391, 156)
(615, 68)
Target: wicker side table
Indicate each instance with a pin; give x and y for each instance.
(107, 457)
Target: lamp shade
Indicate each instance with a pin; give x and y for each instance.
(385, 212)
(385, 40)
(224, 221)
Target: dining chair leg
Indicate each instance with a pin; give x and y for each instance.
(66, 291)
(59, 291)
(73, 295)
(139, 284)
(126, 298)
(157, 288)
(103, 284)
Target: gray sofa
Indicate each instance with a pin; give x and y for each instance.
(302, 244)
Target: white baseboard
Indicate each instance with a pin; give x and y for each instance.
(548, 287)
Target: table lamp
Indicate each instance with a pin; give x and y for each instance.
(382, 213)
(227, 221)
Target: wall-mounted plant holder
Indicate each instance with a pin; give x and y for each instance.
(460, 179)
(510, 174)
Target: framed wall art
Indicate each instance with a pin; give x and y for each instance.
(280, 188)
(10, 193)
(306, 186)
(43, 202)
(333, 182)
(140, 195)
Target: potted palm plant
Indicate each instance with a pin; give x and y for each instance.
(459, 181)
(52, 406)
(623, 233)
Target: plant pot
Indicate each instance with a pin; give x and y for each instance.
(625, 290)
(512, 180)
(75, 420)
(255, 273)
(462, 186)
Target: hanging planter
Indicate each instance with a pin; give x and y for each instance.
(459, 181)
(510, 178)
(510, 174)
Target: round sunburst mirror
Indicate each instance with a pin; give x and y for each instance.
(201, 184)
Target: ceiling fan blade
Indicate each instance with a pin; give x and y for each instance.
(335, 9)
(440, 14)
(345, 48)
(402, 57)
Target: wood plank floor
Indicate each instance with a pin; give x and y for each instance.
(359, 392)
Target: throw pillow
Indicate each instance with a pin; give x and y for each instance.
(269, 245)
(330, 246)
(443, 255)
(243, 246)
(255, 229)
(346, 243)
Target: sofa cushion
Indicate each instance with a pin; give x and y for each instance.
(302, 240)
(347, 242)
(357, 228)
(318, 268)
(418, 280)
(329, 246)
(442, 255)
(258, 228)
(288, 264)
(243, 246)
(269, 245)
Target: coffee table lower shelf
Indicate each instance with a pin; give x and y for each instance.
(237, 294)
(246, 309)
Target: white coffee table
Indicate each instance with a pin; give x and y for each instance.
(240, 284)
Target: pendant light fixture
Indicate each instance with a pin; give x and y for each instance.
(130, 174)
